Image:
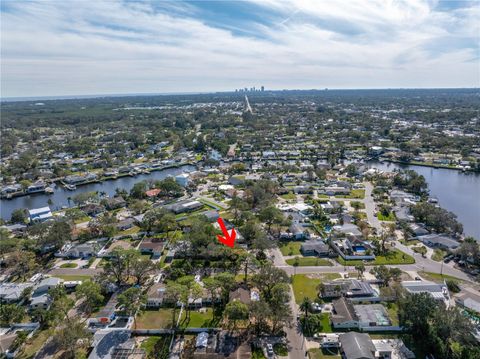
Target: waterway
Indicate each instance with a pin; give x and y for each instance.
(61, 195)
(456, 191)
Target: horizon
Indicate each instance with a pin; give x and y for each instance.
(116, 47)
(113, 95)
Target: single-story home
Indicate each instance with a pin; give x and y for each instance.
(39, 215)
(439, 241)
(315, 248)
(152, 246)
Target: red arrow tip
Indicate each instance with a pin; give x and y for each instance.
(227, 238)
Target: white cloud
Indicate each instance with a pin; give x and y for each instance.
(66, 48)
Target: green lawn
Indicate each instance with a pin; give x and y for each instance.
(437, 277)
(257, 353)
(130, 231)
(199, 319)
(392, 309)
(359, 205)
(154, 343)
(390, 217)
(354, 194)
(35, 343)
(288, 196)
(280, 349)
(69, 265)
(438, 255)
(319, 353)
(394, 256)
(304, 286)
(309, 262)
(156, 319)
(72, 277)
(326, 326)
(290, 248)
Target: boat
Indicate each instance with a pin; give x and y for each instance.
(70, 187)
(49, 190)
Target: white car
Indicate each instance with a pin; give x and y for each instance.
(270, 350)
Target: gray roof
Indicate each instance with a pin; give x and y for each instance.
(357, 346)
(106, 340)
(316, 246)
(438, 239)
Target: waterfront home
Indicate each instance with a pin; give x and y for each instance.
(92, 209)
(36, 187)
(14, 188)
(38, 215)
(417, 230)
(182, 179)
(115, 203)
(439, 241)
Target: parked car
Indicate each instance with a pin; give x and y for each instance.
(270, 350)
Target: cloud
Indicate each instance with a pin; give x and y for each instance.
(105, 47)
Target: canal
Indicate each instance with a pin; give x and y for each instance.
(456, 191)
(60, 197)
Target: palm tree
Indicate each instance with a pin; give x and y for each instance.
(360, 268)
(305, 306)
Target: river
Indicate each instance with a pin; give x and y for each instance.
(60, 196)
(456, 191)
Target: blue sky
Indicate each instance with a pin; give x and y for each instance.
(73, 47)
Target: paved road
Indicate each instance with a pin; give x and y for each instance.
(296, 340)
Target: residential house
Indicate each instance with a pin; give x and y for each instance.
(182, 179)
(439, 241)
(125, 224)
(46, 284)
(153, 246)
(346, 315)
(355, 345)
(115, 203)
(39, 215)
(184, 206)
(315, 248)
(437, 291)
(12, 292)
(350, 288)
(156, 295)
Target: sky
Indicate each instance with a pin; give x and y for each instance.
(63, 48)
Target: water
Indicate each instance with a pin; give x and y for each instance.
(456, 191)
(61, 195)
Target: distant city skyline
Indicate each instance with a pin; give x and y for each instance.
(75, 48)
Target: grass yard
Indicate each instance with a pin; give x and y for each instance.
(305, 285)
(318, 353)
(357, 204)
(288, 196)
(392, 309)
(72, 277)
(382, 217)
(280, 349)
(354, 194)
(130, 231)
(257, 353)
(290, 248)
(69, 265)
(438, 255)
(309, 262)
(199, 319)
(437, 277)
(156, 319)
(35, 343)
(152, 345)
(394, 256)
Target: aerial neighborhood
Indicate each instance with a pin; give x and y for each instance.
(109, 238)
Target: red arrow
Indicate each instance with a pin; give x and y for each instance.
(228, 239)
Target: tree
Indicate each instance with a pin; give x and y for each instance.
(119, 267)
(174, 293)
(270, 215)
(260, 313)
(382, 273)
(267, 277)
(72, 336)
(227, 283)
(19, 215)
(213, 286)
(360, 268)
(131, 301)
(235, 311)
(415, 312)
(10, 314)
(306, 305)
(138, 190)
(91, 294)
(24, 263)
(141, 267)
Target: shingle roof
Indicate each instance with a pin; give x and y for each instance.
(357, 346)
